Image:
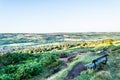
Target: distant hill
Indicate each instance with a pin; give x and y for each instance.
(10, 38)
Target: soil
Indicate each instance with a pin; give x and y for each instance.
(68, 57)
(76, 70)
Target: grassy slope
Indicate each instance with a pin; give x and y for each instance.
(111, 71)
(85, 58)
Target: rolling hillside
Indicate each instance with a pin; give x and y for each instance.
(53, 59)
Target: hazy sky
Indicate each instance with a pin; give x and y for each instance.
(44, 16)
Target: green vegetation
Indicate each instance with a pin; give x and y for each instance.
(43, 62)
(111, 71)
(66, 46)
(23, 40)
(10, 38)
(24, 66)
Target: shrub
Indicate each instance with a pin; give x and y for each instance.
(27, 71)
(14, 58)
(49, 61)
(5, 77)
(9, 69)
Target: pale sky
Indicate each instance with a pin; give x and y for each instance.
(47, 16)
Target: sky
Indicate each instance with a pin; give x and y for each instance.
(52, 16)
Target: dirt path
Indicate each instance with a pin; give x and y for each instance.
(68, 57)
(76, 70)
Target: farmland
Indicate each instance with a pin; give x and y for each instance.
(26, 56)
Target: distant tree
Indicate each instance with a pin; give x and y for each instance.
(108, 41)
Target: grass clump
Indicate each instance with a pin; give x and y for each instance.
(102, 75)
